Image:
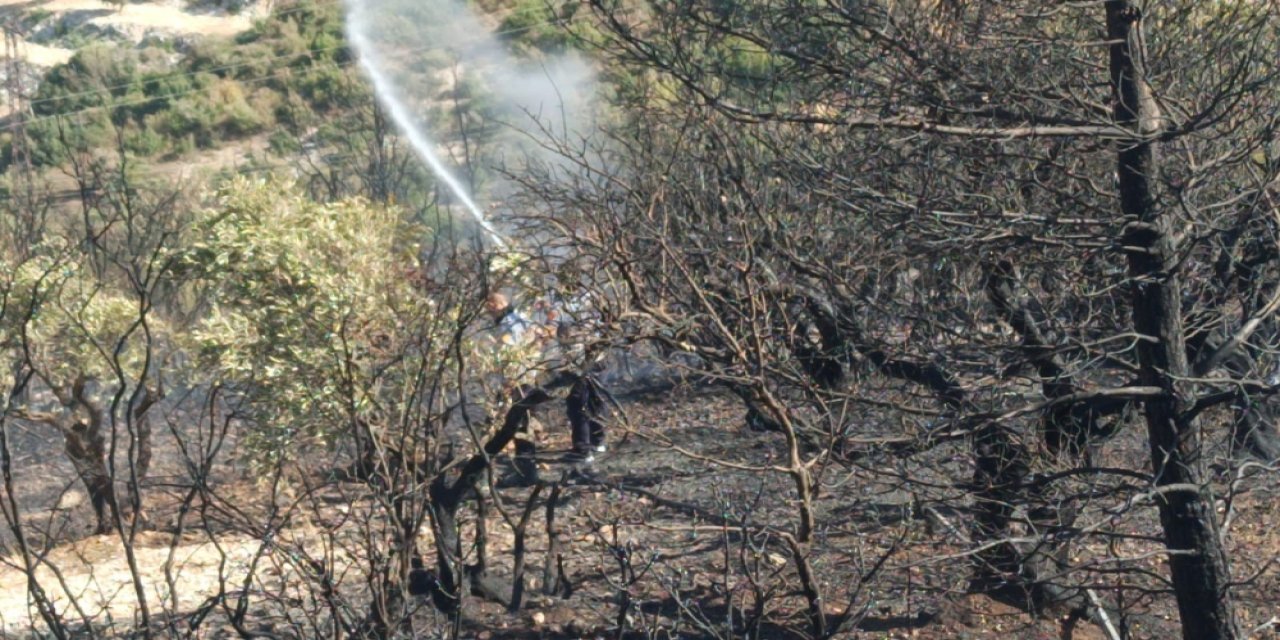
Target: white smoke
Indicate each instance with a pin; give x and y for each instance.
(425, 58)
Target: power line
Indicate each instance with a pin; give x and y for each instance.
(178, 94)
(190, 74)
(170, 188)
(215, 70)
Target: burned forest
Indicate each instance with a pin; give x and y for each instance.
(515, 319)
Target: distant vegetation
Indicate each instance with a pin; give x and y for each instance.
(230, 6)
(292, 79)
(284, 72)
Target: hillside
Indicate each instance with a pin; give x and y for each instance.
(709, 319)
(49, 33)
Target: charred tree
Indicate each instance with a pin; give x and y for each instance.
(81, 423)
(448, 496)
(1198, 562)
(1068, 427)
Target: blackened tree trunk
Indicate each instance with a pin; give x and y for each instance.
(447, 497)
(140, 450)
(1197, 559)
(86, 448)
(81, 424)
(1019, 573)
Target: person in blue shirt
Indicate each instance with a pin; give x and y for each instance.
(566, 362)
(508, 324)
(512, 329)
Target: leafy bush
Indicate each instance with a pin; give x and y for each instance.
(232, 7)
(191, 117)
(531, 26)
(282, 143)
(746, 62)
(284, 68)
(323, 317)
(93, 77)
(306, 296)
(145, 142)
(76, 327)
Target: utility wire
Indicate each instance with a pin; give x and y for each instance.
(172, 186)
(282, 73)
(230, 67)
(178, 94)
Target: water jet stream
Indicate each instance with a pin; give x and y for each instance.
(385, 90)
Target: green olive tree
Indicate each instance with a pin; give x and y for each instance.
(345, 326)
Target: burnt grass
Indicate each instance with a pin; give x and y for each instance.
(679, 530)
(683, 522)
(682, 503)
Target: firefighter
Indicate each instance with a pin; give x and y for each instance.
(555, 346)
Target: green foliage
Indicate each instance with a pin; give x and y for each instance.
(70, 323)
(535, 27)
(291, 66)
(747, 62)
(321, 318)
(145, 142)
(325, 88)
(230, 6)
(310, 304)
(283, 143)
(52, 140)
(531, 24)
(94, 76)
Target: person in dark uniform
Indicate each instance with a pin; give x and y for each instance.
(584, 408)
(578, 366)
(565, 362)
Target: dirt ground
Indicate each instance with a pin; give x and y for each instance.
(686, 499)
(171, 16)
(134, 19)
(95, 574)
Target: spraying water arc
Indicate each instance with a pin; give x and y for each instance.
(385, 90)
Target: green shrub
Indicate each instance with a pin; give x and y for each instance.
(145, 142)
(283, 143)
(285, 70)
(265, 103)
(310, 303)
(208, 54)
(325, 88)
(94, 76)
(746, 62)
(191, 117)
(181, 146)
(531, 26)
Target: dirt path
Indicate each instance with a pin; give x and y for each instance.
(137, 19)
(170, 17)
(95, 573)
(44, 56)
